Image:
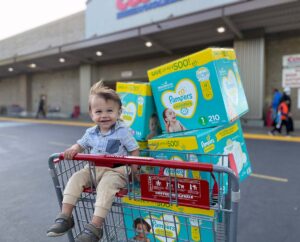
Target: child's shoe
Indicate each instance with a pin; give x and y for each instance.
(62, 224)
(90, 234)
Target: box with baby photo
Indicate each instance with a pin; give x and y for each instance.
(198, 91)
(204, 145)
(138, 111)
(153, 221)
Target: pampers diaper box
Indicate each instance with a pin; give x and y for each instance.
(139, 111)
(163, 222)
(202, 146)
(201, 90)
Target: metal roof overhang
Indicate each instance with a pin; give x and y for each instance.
(242, 20)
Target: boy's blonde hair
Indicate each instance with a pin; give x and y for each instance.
(98, 89)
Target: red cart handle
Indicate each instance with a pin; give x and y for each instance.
(109, 160)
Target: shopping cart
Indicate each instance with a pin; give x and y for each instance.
(174, 207)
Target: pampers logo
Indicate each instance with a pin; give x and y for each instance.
(208, 145)
(165, 228)
(180, 98)
(130, 7)
(183, 100)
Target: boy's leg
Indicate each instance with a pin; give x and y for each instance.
(287, 128)
(75, 186)
(64, 220)
(110, 183)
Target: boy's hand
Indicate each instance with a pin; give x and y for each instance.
(71, 152)
(136, 172)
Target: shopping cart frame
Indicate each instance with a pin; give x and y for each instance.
(232, 197)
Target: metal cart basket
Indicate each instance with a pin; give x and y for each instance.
(172, 207)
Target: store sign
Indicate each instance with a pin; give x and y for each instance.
(130, 7)
(110, 16)
(291, 60)
(291, 77)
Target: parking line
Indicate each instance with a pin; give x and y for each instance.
(271, 178)
(268, 137)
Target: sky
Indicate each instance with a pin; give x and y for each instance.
(17, 16)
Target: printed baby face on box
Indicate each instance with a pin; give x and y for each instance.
(138, 111)
(200, 144)
(200, 90)
(160, 223)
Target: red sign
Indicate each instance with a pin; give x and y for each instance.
(189, 192)
(124, 4)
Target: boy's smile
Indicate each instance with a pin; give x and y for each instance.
(104, 113)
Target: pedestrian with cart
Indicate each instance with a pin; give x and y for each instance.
(277, 95)
(287, 97)
(109, 136)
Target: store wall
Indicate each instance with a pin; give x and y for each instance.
(113, 72)
(276, 48)
(10, 89)
(61, 89)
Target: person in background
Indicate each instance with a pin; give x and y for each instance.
(282, 118)
(275, 103)
(41, 107)
(110, 135)
(286, 96)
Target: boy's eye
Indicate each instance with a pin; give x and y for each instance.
(109, 110)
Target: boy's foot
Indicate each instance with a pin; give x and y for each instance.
(62, 224)
(271, 133)
(90, 234)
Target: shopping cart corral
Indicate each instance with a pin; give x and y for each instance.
(167, 208)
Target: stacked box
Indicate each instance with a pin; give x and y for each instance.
(139, 111)
(201, 146)
(161, 221)
(198, 91)
(199, 99)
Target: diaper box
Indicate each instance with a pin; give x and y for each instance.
(198, 91)
(202, 146)
(139, 111)
(163, 222)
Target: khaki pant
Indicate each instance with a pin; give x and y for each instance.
(109, 181)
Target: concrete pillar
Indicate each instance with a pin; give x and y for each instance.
(24, 92)
(251, 60)
(85, 82)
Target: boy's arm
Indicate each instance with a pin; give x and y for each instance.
(72, 151)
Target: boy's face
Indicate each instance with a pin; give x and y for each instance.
(104, 113)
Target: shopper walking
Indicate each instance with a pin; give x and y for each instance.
(42, 107)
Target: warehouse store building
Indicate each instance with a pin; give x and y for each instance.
(120, 40)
